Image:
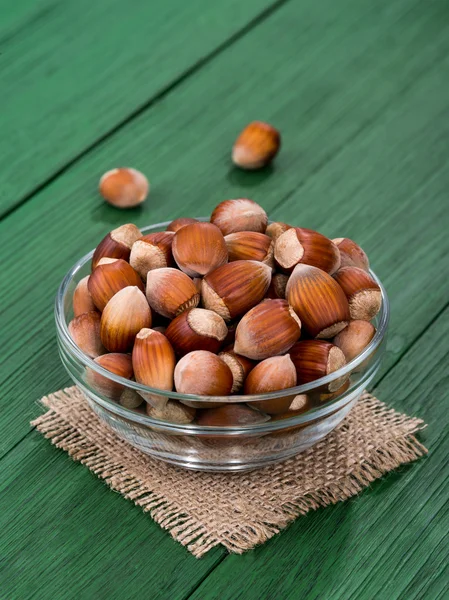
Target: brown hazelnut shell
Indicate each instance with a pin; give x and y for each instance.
(318, 301)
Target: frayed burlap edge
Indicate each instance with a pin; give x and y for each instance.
(200, 535)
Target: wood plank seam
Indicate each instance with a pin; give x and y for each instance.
(394, 365)
(405, 350)
(229, 42)
(210, 570)
(417, 587)
(167, 89)
(319, 167)
(406, 164)
(39, 16)
(439, 445)
(364, 582)
(48, 319)
(155, 99)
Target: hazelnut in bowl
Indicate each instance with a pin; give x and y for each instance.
(222, 344)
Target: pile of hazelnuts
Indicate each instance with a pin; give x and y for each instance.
(227, 307)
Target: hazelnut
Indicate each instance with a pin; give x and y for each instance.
(256, 146)
(363, 293)
(271, 375)
(85, 332)
(351, 255)
(318, 301)
(197, 329)
(180, 223)
(130, 398)
(300, 245)
(316, 358)
(199, 248)
(355, 338)
(250, 245)
(275, 229)
(170, 292)
(154, 361)
(203, 373)
(234, 288)
(328, 396)
(110, 277)
(117, 243)
(119, 364)
(126, 313)
(268, 329)
(82, 300)
(173, 412)
(124, 188)
(300, 403)
(240, 367)
(239, 215)
(152, 251)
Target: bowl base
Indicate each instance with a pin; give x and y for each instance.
(218, 454)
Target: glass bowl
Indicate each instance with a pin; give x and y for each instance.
(218, 448)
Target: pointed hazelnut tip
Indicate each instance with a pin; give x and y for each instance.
(145, 333)
(294, 316)
(131, 290)
(264, 268)
(286, 359)
(354, 338)
(106, 261)
(237, 347)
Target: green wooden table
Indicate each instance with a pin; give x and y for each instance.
(360, 92)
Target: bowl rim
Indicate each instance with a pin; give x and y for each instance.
(69, 344)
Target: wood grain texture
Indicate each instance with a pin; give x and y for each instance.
(98, 95)
(389, 542)
(82, 538)
(73, 71)
(362, 188)
(358, 91)
(66, 535)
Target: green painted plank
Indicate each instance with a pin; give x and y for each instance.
(99, 547)
(101, 95)
(324, 185)
(391, 541)
(66, 535)
(67, 217)
(71, 71)
(15, 17)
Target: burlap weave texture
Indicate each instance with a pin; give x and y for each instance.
(241, 510)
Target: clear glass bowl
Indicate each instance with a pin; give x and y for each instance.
(218, 448)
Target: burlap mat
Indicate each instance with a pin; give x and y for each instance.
(202, 510)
